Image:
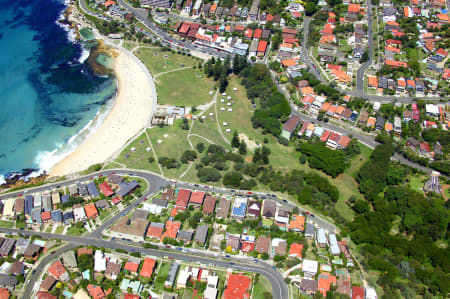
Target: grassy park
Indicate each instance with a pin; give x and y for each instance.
(262, 285)
(186, 87)
(158, 61)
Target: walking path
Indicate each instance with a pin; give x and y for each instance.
(217, 119)
(171, 71)
(154, 152)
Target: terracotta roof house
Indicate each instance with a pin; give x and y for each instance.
(208, 205)
(197, 198)
(147, 267)
(297, 223)
(290, 126)
(238, 287)
(95, 292)
(296, 250)
(262, 245)
(4, 293)
(254, 208)
(155, 230)
(91, 211)
(269, 208)
(19, 205)
(223, 208)
(17, 268)
(58, 272)
(46, 216)
(48, 283)
(84, 250)
(325, 282)
(247, 246)
(344, 286)
(44, 295)
(357, 292)
(172, 228)
(131, 267)
(262, 46)
(183, 199)
(112, 270)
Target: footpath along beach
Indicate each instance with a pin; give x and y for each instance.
(132, 110)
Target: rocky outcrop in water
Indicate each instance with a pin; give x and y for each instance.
(101, 49)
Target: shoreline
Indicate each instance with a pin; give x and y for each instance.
(131, 111)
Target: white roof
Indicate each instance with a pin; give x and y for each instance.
(277, 241)
(310, 266)
(376, 106)
(183, 277)
(79, 213)
(210, 293)
(99, 261)
(432, 108)
(371, 293)
(213, 281)
(8, 208)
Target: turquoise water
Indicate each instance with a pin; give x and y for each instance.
(48, 94)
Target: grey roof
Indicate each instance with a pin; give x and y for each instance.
(115, 179)
(269, 208)
(65, 198)
(101, 204)
(157, 224)
(7, 281)
(83, 189)
(28, 204)
(309, 285)
(92, 189)
(68, 216)
(160, 202)
(126, 188)
(36, 215)
(57, 216)
(7, 246)
(73, 189)
(69, 259)
(16, 268)
(201, 234)
(140, 214)
(380, 123)
(185, 235)
(46, 202)
(32, 250)
(309, 230)
(254, 8)
(172, 274)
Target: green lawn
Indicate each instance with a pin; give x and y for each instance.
(129, 45)
(49, 229)
(139, 158)
(158, 61)
(76, 230)
(416, 183)
(161, 277)
(6, 224)
(59, 229)
(261, 286)
(208, 128)
(187, 87)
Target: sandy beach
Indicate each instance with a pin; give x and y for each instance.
(131, 112)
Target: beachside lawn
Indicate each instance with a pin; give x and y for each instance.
(139, 158)
(158, 61)
(186, 87)
(262, 285)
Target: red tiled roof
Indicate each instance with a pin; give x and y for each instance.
(131, 296)
(396, 63)
(132, 267)
(155, 232)
(237, 287)
(95, 291)
(57, 269)
(257, 33)
(147, 267)
(183, 198)
(325, 136)
(442, 52)
(197, 197)
(4, 293)
(296, 250)
(39, 295)
(358, 293)
(116, 200)
(172, 228)
(46, 216)
(106, 189)
(262, 46)
(344, 141)
(91, 210)
(184, 28)
(247, 246)
(354, 7)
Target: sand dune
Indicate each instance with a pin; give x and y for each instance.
(131, 111)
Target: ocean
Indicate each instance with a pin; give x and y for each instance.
(50, 98)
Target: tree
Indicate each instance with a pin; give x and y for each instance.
(265, 152)
(235, 141)
(223, 83)
(243, 148)
(302, 159)
(232, 179)
(257, 155)
(200, 147)
(188, 155)
(208, 174)
(310, 8)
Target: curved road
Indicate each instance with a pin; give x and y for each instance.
(279, 287)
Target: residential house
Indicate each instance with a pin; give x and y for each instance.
(279, 246)
(297, 223)
(262, 244)
(296, 250)
(185, 236)
(147, 267)
(310, 267)
(254, 208)
(233, 242)
(290, 126)
(269, 208)
(112, 270)
(155, 230)
(92, 189)
(201, 234)
(197, 198)
(321, 238)
(69, 260)
(99, 261)
(223, 208)
(131, 229)
(309, 286)
(58, 271)
(182, 199)
(237, 287)
(239, 207)
(209, 205)
(173, 271)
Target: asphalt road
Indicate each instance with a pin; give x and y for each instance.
(362, 70)
(279, 287)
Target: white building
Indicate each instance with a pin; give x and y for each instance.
(334, 247)
(79, 214)
(432, 110)
(8, 208)
(371, 293)
(309, 267)
(99, 261)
